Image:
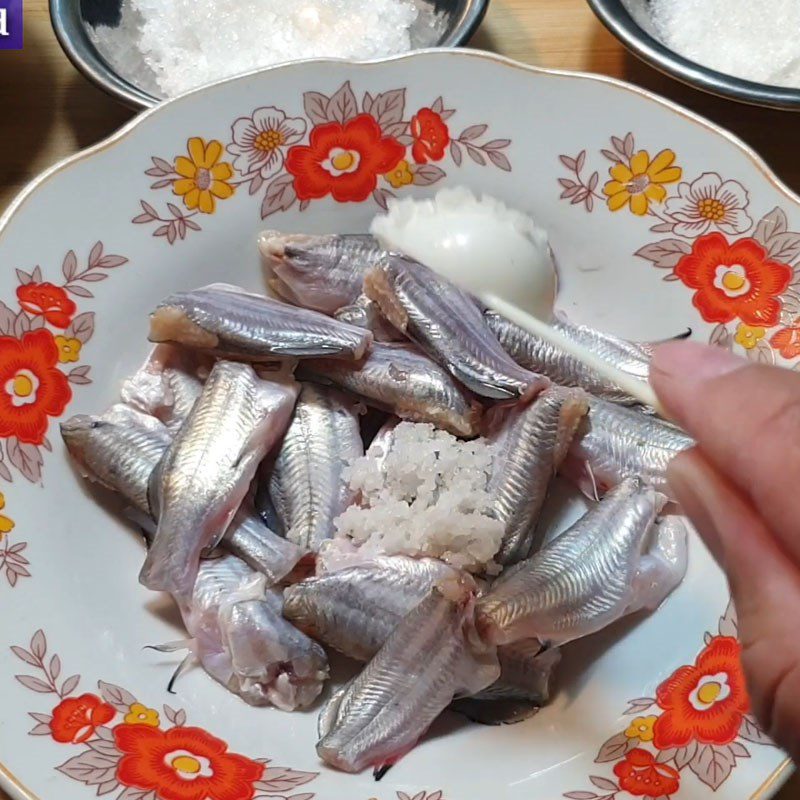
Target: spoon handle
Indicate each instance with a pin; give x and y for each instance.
(634, 387)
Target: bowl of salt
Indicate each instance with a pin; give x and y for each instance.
(740, 49)
(144, 51)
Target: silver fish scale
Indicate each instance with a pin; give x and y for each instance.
(321, 272)
(400, 379)
(582, 580)
(254, 327)
(424, 663)
(528, 449)
(307, 485)
(535, 354)
(618, 442)
(355, 609)
(446, 324)
(205, 473)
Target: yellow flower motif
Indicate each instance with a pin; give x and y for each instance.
(641, 728)
(203, 176)
(400, 176)
(641, 183)
(748, 336)
(6, 524)
(142, 715)
(69, 350)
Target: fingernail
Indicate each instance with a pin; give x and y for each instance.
(677, 367)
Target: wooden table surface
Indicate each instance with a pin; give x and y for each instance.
(48, 110)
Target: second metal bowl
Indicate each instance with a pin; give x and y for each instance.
(462, 18)
(629, 21)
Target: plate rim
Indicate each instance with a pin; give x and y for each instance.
(9, 782)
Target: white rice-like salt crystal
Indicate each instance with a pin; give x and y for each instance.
(187, 43)
(426, 497)
(753, 40)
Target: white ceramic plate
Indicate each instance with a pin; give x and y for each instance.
(659, 221)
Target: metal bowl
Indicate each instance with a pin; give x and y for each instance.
(630, 22)
(69, 17)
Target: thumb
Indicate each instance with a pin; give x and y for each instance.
(765, 584)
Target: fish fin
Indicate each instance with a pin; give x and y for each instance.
(495, 712)
(590, 473)
(648, 347)
(171, 647)
(379, 772)
(187, 661)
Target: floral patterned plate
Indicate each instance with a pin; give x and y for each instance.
(659, 221)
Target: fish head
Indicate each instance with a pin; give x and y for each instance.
(78, 433)
(301, 269)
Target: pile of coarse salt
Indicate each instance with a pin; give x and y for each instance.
(758, 40)
(170, 46)
(423, 493)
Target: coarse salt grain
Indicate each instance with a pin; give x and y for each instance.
(424, 493)
(757, 41)
(181, 44)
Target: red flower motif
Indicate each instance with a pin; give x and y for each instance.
(31, 388)
(183, 764)
(787, 340)
(76, 718)
(343, 160)
(431, 136)
(641, 775)
(704, 702)
(734, 280)
(48, 301)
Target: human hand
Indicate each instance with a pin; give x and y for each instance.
(740, 486)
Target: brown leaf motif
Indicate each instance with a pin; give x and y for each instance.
(772, 224)
(315, 105)
(427, 174)
(664, 254)
(752, 732)
(81, 327)
(639, 705)
(116, 696)
(728, 624)
(388, 108)
(90, 767)
(280, 196)
(283, 779)
(343, 106)
(26, 458)
(615, 747)
(713, 764)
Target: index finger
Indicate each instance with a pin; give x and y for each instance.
(746, 421)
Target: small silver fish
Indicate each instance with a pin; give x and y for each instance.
(241, 639)
(354, 610)
(323, 272)
(364, 313)
(400, 379)
(445, 322)
(167, 385)
(535, 354)
(228, 322)
(120, 450)
(529, 443)
(204, 475)
(615, 560)
(428, 659)
(307, 486)
(614, 443)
